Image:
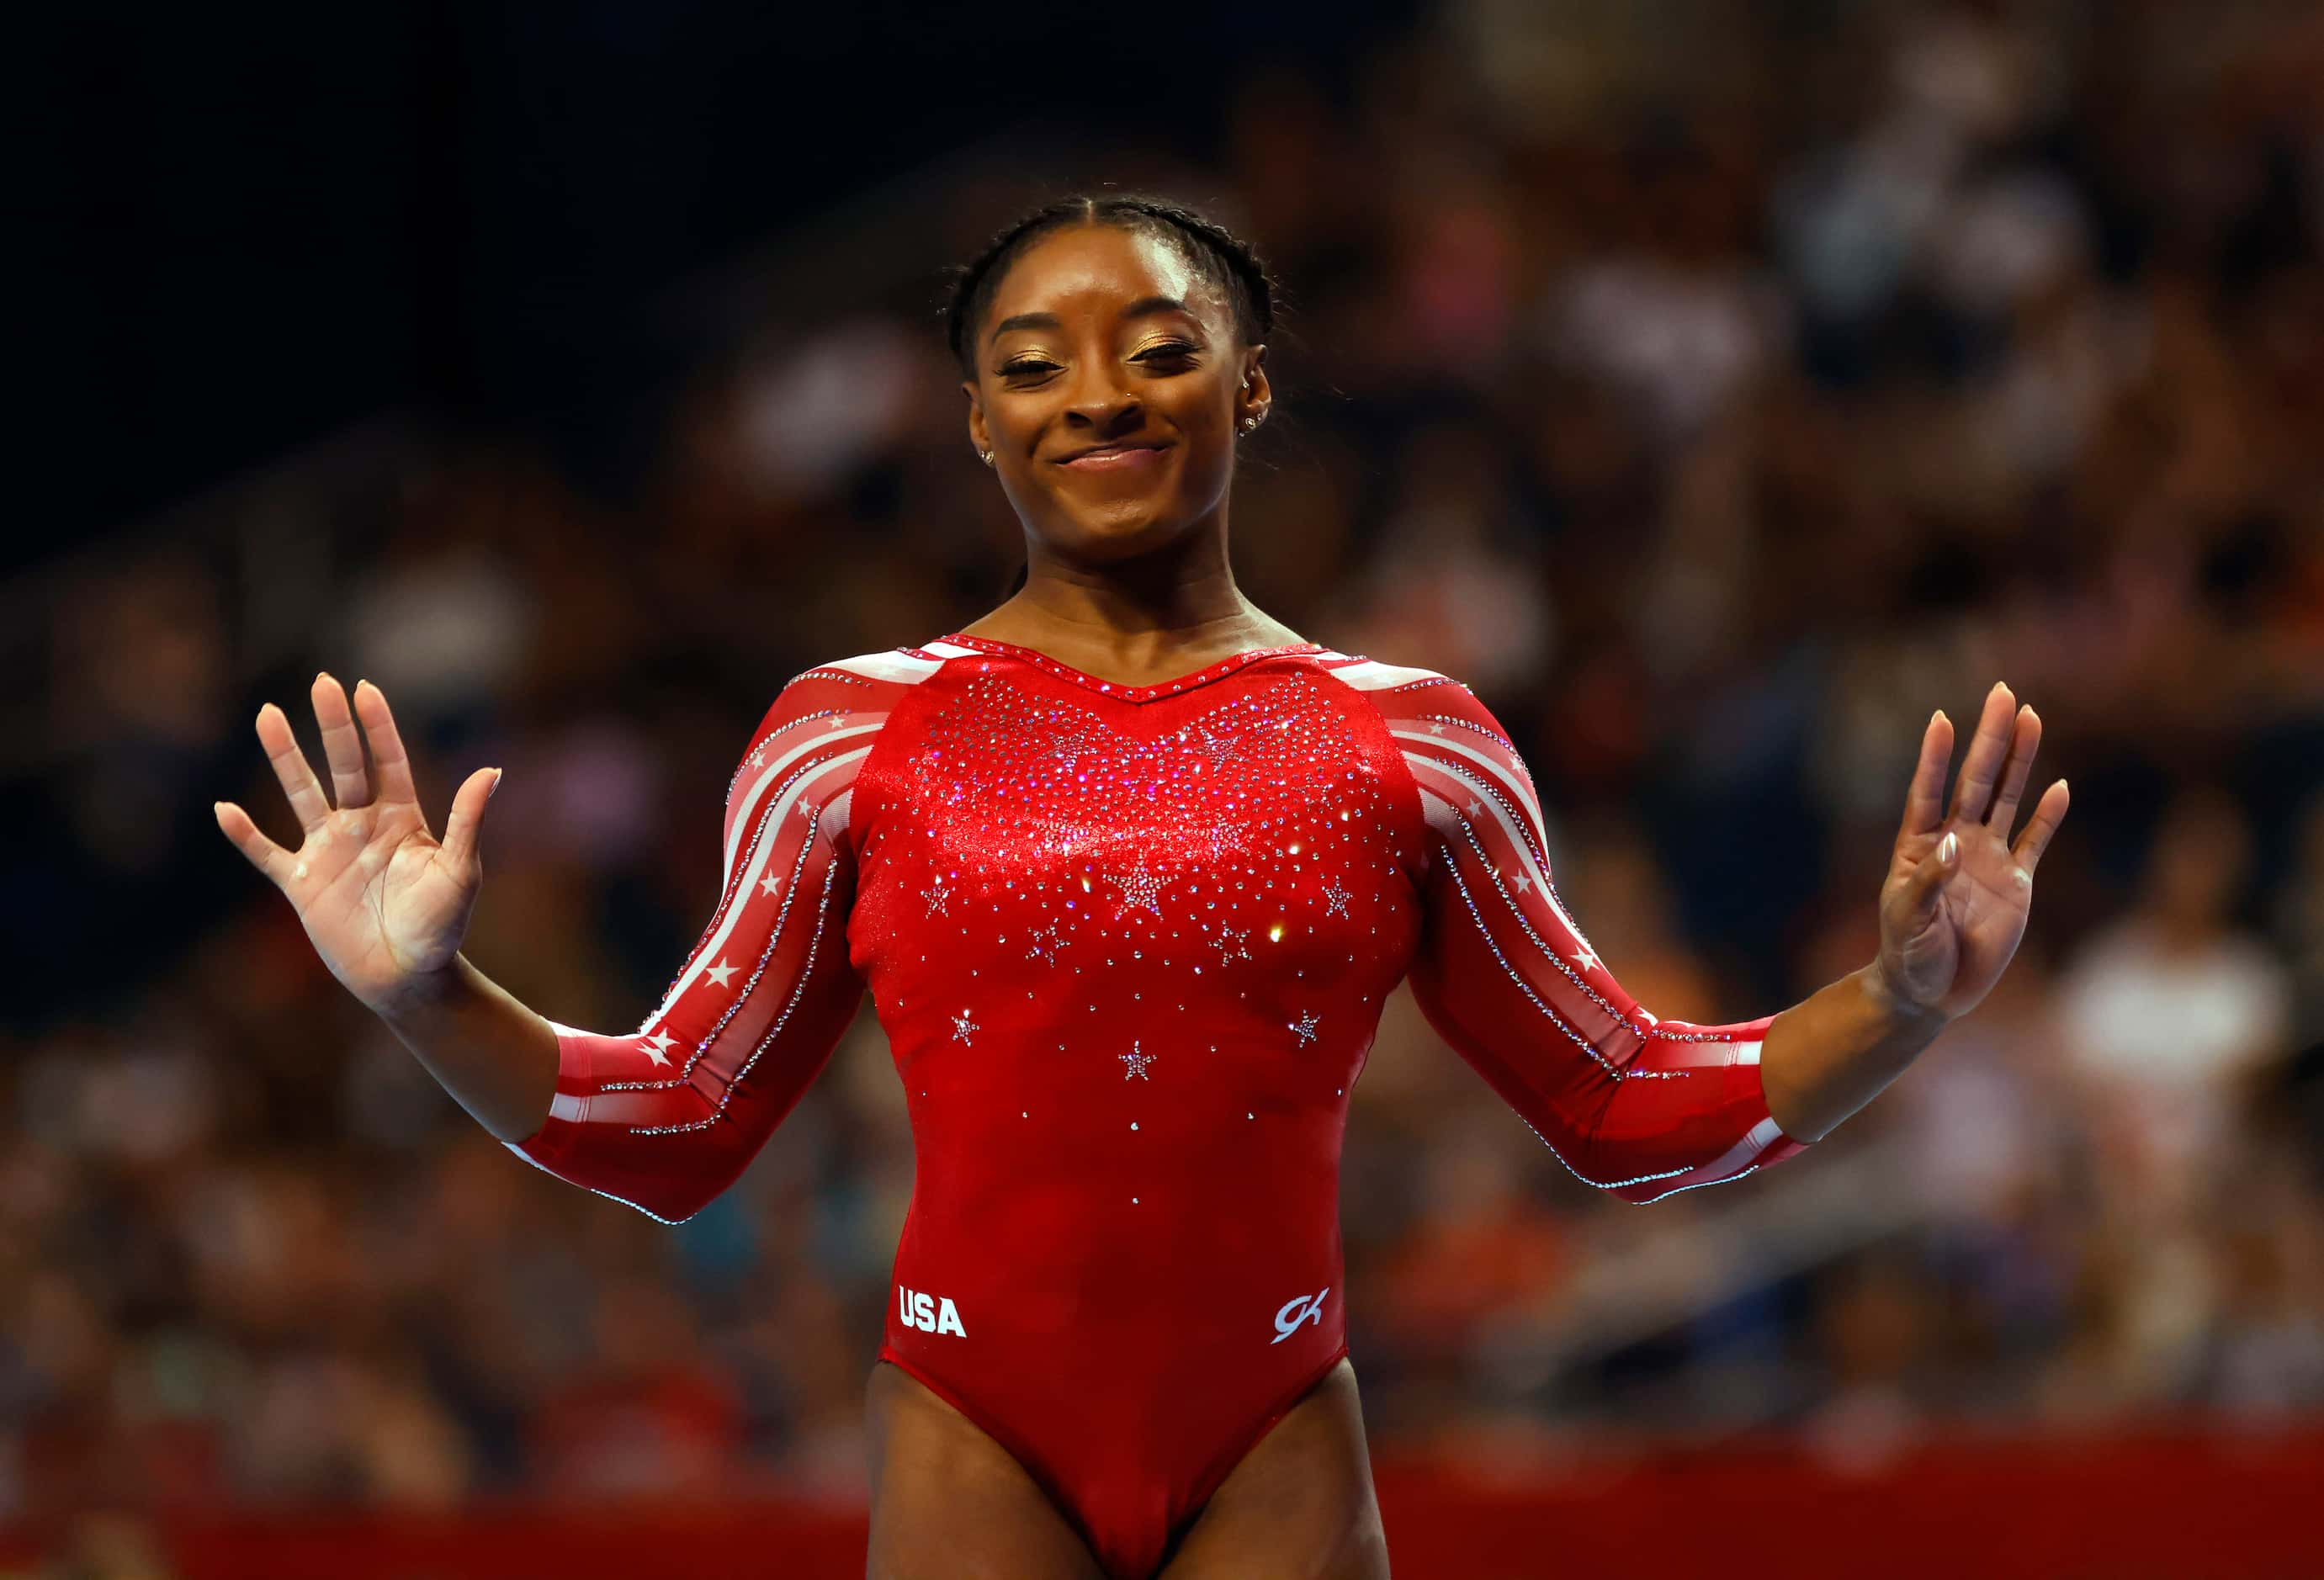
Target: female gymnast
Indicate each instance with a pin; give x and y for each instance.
(1128, 867)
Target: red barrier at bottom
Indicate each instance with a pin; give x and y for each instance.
(2165, 1506)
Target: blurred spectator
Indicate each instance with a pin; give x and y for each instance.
(2167, 1011)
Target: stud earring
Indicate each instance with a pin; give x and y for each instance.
(987, 457)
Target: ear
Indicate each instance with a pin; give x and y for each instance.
(976, 433)
(1256, 392)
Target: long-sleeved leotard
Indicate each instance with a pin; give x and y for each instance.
(1130, 947)
(664, 1119)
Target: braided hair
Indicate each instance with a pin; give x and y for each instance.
(1213, 252)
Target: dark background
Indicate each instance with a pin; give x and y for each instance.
(243, 226)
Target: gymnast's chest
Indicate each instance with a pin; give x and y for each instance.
(1026, 840)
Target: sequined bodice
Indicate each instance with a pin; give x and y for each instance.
(1207, 888)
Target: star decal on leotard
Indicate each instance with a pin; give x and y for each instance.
(1305, 1028)
(1229, 943)
(937, 896)
(1525, 881)
(1217, 749)
(720, 972)
(1585, 957)
(1134, 1063)
(770, 884)
(1139, 887)
(962, 1026)
(1047, 940)
(657, 1047)
(1220, 836)
(1069, 742)
(1337, 898)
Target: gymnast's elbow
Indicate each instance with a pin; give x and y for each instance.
(670, 1177)
(670, 1199)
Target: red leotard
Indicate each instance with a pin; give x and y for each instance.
(1130, 945)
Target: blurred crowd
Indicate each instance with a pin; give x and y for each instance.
(1716, 394)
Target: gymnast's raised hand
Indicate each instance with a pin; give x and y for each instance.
(1957, 892)
(383, 901)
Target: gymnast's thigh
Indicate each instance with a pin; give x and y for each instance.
(950, 1503)
(1299, 1505)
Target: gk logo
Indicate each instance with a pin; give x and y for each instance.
(923, 1313)
(1302, 1309)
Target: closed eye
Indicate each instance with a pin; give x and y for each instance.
(1172, 354)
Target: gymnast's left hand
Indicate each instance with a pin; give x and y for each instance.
(1952, 917)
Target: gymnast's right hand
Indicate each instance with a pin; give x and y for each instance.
(385, 903)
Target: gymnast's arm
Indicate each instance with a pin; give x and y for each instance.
(1646, 1106)
(1629, 1102)
(666, 1118)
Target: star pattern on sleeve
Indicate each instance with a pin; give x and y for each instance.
(657, 1048)
(720, 972)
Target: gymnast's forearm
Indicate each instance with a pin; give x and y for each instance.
(497, 1058)
(1832, 1053)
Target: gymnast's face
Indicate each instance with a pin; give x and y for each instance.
(1099, 336)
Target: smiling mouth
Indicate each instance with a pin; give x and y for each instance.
(1111, 456)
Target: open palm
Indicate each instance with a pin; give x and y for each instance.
(1948, 928)
(383, 901)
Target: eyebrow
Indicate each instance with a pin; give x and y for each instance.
(1137, 309)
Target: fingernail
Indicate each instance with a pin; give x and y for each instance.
(1947, 848)
(493, 788)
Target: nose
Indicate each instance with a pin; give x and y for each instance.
(1098, 401)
